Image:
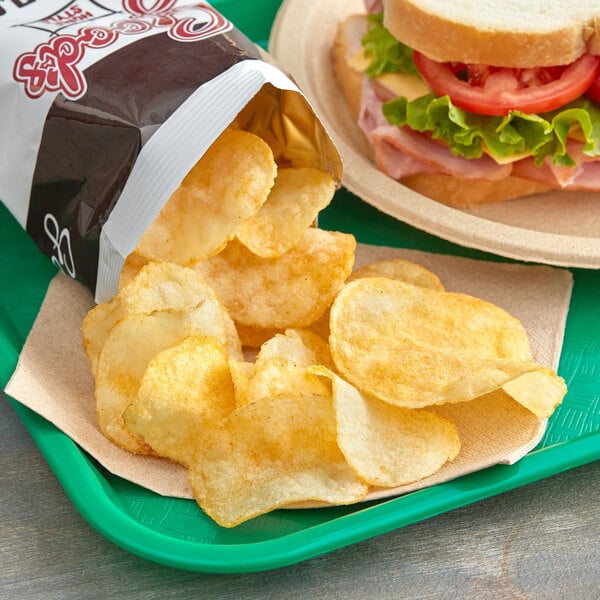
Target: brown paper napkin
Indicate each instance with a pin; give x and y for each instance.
(53, 378)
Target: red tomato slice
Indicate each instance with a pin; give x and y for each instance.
(497, 90)
(594, 90)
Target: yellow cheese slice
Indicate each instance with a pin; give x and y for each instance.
(402, 84)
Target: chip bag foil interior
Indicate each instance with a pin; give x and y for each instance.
(109, 104)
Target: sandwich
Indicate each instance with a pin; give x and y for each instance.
(476, 102)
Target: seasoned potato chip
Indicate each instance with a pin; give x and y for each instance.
(292, 290)
(401, 270)
(185, 390)
(388, 445)
(211, 317)
(278, 376)
(539, 391)
(293, 204)
(163, 285)
(241, 374)
(269, 454)
(227, 185)
(130, 345)
(157, 286)
(392, 268)
(415, 347)
(131, 267)
(95, 327)
(300, 346)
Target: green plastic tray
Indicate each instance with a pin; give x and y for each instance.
(175, 532)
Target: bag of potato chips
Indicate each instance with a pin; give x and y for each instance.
(108, 104)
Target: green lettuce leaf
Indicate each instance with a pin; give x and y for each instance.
(469, 134)
(387, 54)
(585, 114)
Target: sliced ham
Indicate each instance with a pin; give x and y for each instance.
(374, 6)
(434, 156)
(546, 173)
(585, 175)
(587, 178)
(370, 115)
(396, 163)
(390, 159)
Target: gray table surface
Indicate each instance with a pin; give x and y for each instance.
(539, 541)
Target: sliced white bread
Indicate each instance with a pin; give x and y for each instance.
(507, 33)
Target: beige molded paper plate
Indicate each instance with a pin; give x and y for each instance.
(556, 228)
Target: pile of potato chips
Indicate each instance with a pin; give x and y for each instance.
(241, 345)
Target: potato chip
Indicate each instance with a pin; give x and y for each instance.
(269, 454)
(415, 347)
(95, 327)
(211, 317)
(227, 185)
(392, 268)
(301, 347)
(163, 285)
(185, 390)
(292, 290)
(401, 270)
(131, 267)
(157, 286)
(539, 391)
(251, 337)
(387, 445)
(292, 205)
(130, 345)
(278, 376)
(241, 374)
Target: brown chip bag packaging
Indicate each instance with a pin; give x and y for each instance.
(108, 104)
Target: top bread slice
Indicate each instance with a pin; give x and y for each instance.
(504, 33)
